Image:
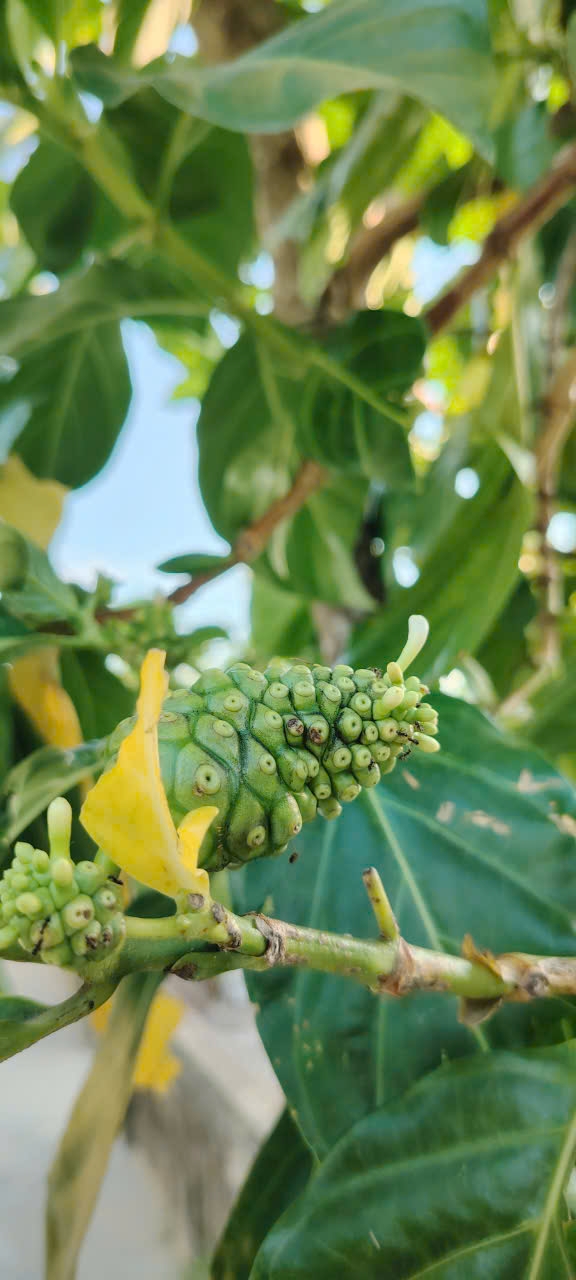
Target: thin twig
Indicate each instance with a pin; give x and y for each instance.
(527, 216)
(250, 543)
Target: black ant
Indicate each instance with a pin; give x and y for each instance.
(38, 945)
(405, 753)
(116, 879)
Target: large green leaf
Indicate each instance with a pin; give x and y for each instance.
(467, 552)
(104, 293)
(54, 200)
(385, 349)
(462, 1180)
(435, 51)
(76, 392)
(279, 1173)
(474, 839)
(250, 437)
(80, 1164)
(202, 175)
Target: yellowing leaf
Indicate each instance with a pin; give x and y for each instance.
(35, 683)
(155, 1066)
(475, 219)
(32, 506)
(127, 813)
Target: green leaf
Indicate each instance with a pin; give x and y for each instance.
(193, 563)
(80, 1164)
(463, 1179)
(279, 1173)
(24, 1022)
(314, 555)
(98, 296)
(43, 597)
(437, 52)
(100, 699)
(201, 175)
(281, 623)
(469, 551)
(385, 350)
(249, 457)
(19, 1009)
(35, 781)
(76, 392)
(54, 200)
(475, 839)
(525, 147)
(246, 438)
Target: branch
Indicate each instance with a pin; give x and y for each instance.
(250, 543)
(558, 416)
(345, 291)
(226, 29)
(525, 218)
(391, 966)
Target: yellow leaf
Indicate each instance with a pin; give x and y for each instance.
(155, 1066)
(35, 683)
(127, 813)
(32, 506)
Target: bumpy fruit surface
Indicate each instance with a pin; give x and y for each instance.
(272, 749)
(57, 909)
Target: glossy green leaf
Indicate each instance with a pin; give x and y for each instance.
(470, 555)
(436, 52)
(193, 563)
(76, 393)
(54, 200)
(35, 781)
(462, 1180)
(80, 1164)
(279, 1173)
(476, 839)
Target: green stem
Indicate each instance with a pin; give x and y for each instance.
(388, 963)
(15, 1036)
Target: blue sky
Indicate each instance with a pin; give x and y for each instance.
(145, 505)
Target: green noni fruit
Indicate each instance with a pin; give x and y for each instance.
(272, 749)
